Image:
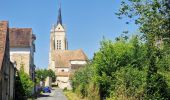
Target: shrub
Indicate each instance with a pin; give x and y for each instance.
(130, 83)
(24, 85)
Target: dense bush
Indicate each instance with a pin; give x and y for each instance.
(81, 80)
(119, 71)
(24, 85)
(130, 84)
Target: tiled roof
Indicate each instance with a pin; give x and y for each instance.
(63, 57)
(3, 40)
(20, 37)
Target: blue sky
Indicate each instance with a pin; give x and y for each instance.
(86, 22)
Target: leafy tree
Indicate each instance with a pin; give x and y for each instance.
(42, 74)
(152, 16)
(138, 53)
(130, 69)
(52, 75)
(110, 58)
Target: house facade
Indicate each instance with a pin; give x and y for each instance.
(61, 60)
(22, 49)
(7, 70)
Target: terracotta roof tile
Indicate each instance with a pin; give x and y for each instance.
(63, 57)
(3, 40)
(20, 37)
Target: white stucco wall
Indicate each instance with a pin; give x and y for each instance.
(78, 62)
(19, 51)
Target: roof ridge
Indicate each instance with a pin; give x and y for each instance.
(63, 57)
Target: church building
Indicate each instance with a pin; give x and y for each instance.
(62, 61)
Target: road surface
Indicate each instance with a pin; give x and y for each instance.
(56, 94)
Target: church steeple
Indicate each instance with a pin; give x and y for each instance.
(59, 20)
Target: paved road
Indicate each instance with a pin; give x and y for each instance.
(56, 94)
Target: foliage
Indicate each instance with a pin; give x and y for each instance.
(111, 57)
(152, 16)
(24, 84)
(130, 83)
(42, 74)
(73, 96)
(157, 86)
(101, 75)
(132, 69)
(52, 75)
(81, 80)
(119, 70)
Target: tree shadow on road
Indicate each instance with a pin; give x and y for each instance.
(43, 95)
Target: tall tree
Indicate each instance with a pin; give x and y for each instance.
(153, 18)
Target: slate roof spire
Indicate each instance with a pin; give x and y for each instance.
(59, 20)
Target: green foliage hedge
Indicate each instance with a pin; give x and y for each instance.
(23, 85)
(119, 71)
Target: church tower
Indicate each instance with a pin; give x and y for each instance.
(62, 61)
(58, 39)
(59, 34)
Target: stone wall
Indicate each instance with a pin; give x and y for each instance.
(21, 59)
(12, 81)
(48, 81)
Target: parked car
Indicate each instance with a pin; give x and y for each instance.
(46, 89)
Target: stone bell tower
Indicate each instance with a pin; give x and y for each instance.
(58, 39)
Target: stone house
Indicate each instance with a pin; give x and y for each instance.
(66, 62)
(7, 70)
(22, 49)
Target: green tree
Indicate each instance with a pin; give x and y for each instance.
(129, 69)
(110, 58)
(42, 74)
(152, 16)
(52, 75)
(138, 53)
(118, 67)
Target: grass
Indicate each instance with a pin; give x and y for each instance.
(72, 96)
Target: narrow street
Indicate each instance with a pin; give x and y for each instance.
(56, 94)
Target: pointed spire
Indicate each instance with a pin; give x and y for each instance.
(59, 20)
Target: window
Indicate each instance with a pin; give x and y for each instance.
(58, 44)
